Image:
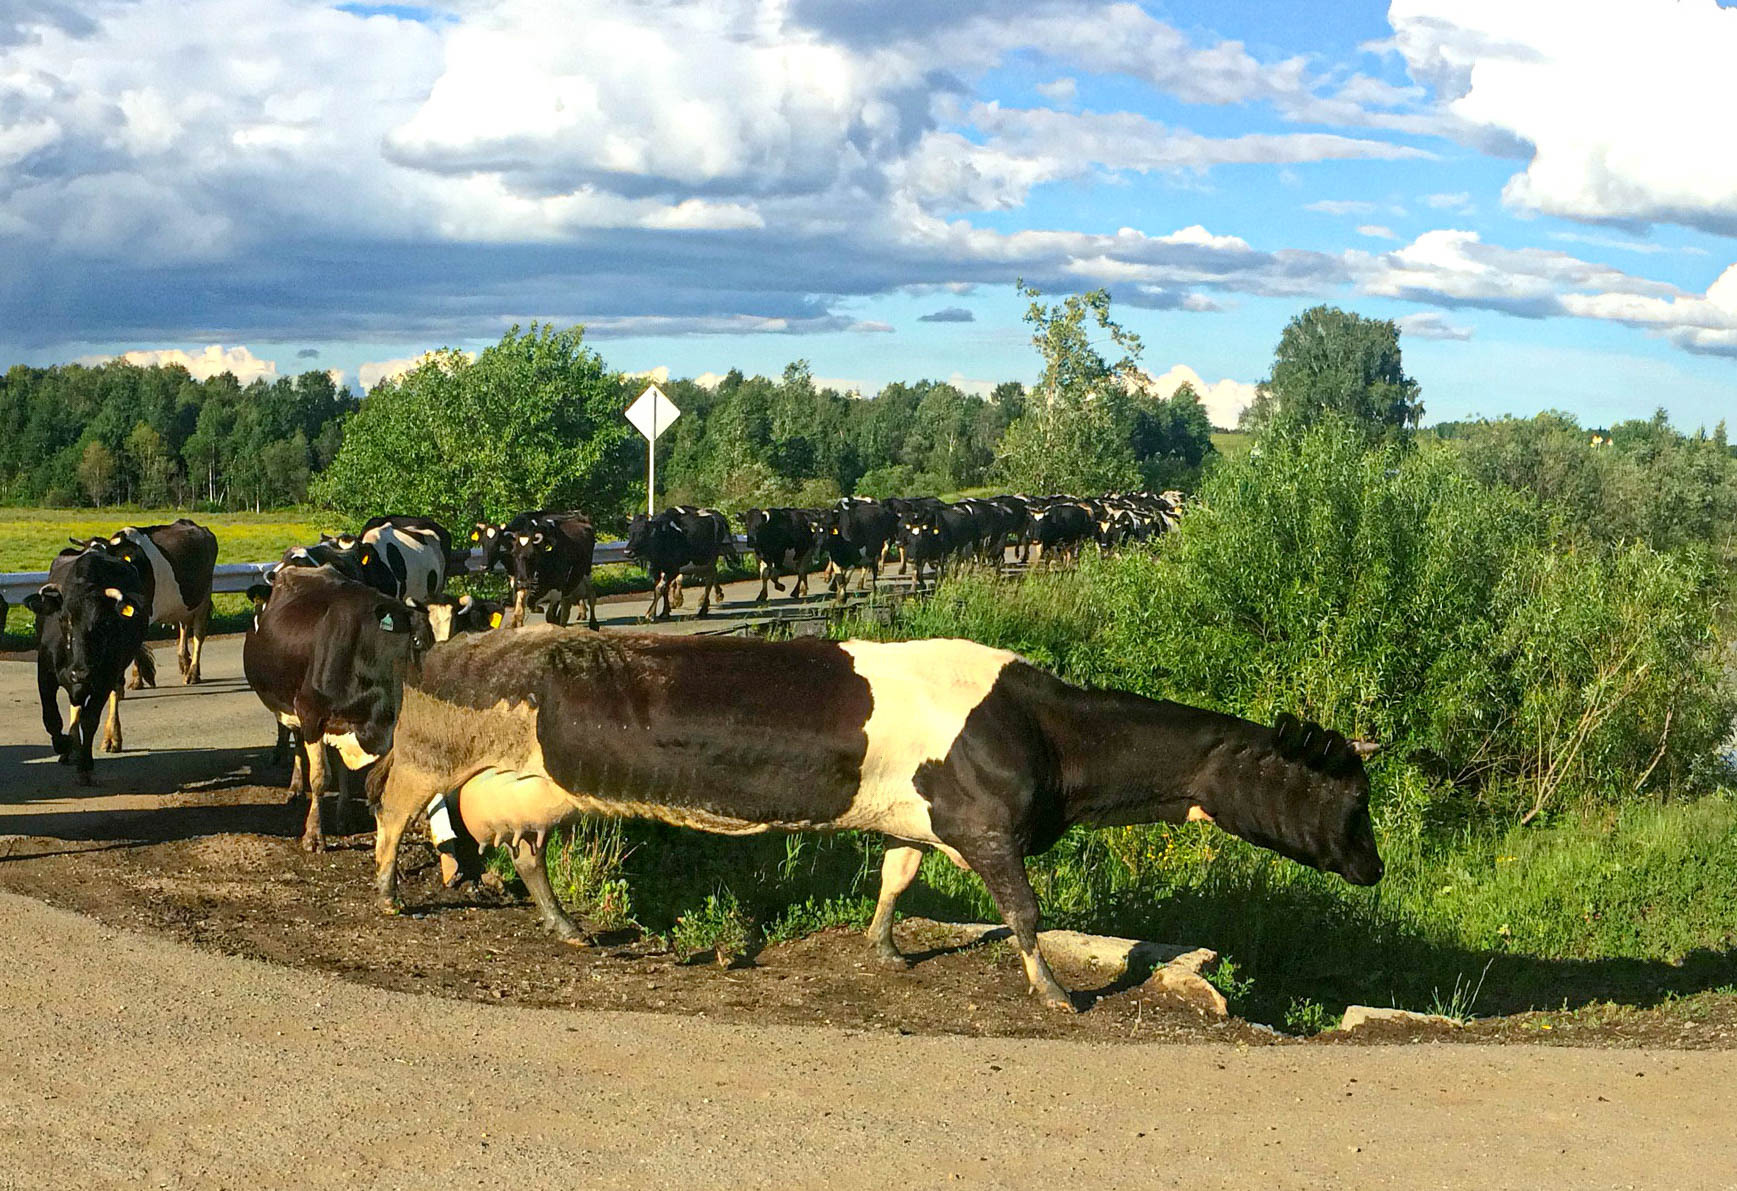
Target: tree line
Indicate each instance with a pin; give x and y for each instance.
(120, 433)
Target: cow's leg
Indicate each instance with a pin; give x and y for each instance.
(314, 748)
(997, 860)
(112, 723)
(48, 692)
(347, 780)
(398, 793)
(765, 578)
(659, 594)
(520, 595)
(708, 577)
(88, 713)
(898, 870)
(589, 591)
(528, 859)
(196, 641)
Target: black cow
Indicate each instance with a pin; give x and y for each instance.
(91, 618)
(785, 541)
(939, 744)
(549, 561)
(1061, 529)
(854, 533)
(677, 538)
(496, 540)
(326, 655)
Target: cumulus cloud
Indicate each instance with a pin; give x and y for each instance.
(1431, 325)
(1554, 79)
(374, 372)
(209, 361)
(948, 314)
(1060, 90)
(1376, 231)
(1224, 400)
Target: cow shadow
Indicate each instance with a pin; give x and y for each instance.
(144, 796)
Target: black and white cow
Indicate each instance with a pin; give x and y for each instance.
(786, 542)
(405, 557)
(91, 619)
(496, 540)
(175, 563)
(549, 560)
(1061, 529)
(681, 538)
(939, 744)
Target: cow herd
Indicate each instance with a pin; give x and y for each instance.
(504, 737)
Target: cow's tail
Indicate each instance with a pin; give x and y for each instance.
(376, 782)
(146, 661)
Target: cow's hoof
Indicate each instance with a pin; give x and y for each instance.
(111, 746)
(892, 961)
(135, 685)
(83, 778)
(578, 940)
(1058, 1002)
(387, 905)
(313, 843)
(594, 627)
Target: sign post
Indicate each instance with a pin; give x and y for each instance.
(651, 414)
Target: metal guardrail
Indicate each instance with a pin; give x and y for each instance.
(233, 577)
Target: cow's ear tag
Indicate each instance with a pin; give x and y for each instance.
(476, 535)
(495, 621)
(127, 608)
(388, 621)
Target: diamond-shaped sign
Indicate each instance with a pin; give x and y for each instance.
(652, 413)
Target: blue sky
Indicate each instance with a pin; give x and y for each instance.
(274, 185)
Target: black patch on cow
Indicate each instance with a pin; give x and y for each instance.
(761, 732)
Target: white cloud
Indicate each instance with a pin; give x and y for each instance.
(1431, 325)
(1460, 201)
(1376, 231)
(1616, 106)
(1340, 207)
(1224, 400)
(1060, 90)
(657, 376)
(374, 372)
(209, 361)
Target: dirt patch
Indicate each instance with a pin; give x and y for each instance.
(260, 896)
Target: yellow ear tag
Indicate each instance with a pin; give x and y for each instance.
(126, 609)
(474, 535)
(495, 621)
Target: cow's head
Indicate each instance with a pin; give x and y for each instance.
(639, 535)
(448, 616)
(493, 540)
(100, 616)
(1303, 793)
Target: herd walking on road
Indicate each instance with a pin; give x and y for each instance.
(451, 711)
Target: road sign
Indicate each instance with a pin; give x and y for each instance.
(651, 414)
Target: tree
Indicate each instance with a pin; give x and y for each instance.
(151, 465)
(96, 471)
(1333, 363)
(1073, 433)
(534, 421)
(1171, 439)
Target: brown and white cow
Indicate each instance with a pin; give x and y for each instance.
(176, 563)
(941, 744)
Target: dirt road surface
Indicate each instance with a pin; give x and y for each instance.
(134, 1060)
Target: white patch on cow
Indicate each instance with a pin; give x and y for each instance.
(1198, 814)
(351, 750)
(424, 561)
(440, 621)
(923, 691)
(167, 606)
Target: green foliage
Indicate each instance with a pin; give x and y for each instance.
(1331, 363)
(535, 420)
(718, 926)
(158, 437)
(1638, 481)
